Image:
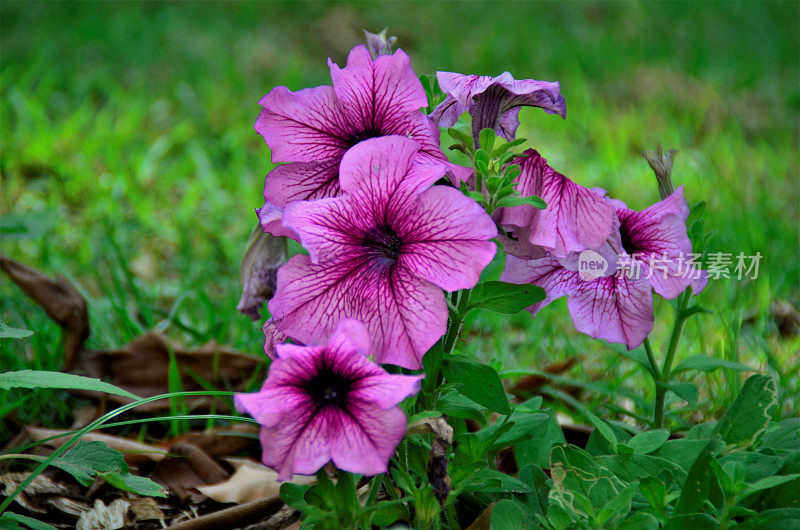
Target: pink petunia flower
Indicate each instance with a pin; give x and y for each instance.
(329, 403)
(575, 219)
(653, 252)
(313, 128)
(382, 253)
(494, 102)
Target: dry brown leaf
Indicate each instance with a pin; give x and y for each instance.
(102, 517)
(142, 367)
(60, 300)
(145, 509)
(186, 468)
(222, 441)
(250, 482)
(529, 385)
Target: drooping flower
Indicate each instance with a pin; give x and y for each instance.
(329, 403)
(494, 102)
(311, 129)
(575, 219)
(382, 253)
(379, 43)
(654, 253)
(265, 253)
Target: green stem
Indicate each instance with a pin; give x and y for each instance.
(92, 426)
(456, 325)
(652, 358)
(661, 388)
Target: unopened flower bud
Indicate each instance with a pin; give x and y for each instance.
(661, 163)
(264, 255)
(379, 43)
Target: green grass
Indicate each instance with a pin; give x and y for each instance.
(127, 145)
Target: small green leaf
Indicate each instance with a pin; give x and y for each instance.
(750, 414)
(510, 514)
(516, 200)
(698, 481)
(491, 481)
(7, 332)
(476, 196)
(695, 521)
(30, 522)
(639, 521)
(778, 519)
(479, 382)
(619, 505)
(502, 297)
(704, 363)
(508, 145)
(603, 428)
(85, 460)
(486, 139)
(647, 442)
(767, 483)
(45, 379)
(687, 391)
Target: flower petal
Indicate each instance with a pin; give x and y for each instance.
(302, 181)
(615, 308)
(375, 93)
(304, 126)
(271, 219)
(350, 335)
(404, 315)
(447, 243)
(546, 272)
(575, 219)
(366, 437)
(300, 443)
(386, 390)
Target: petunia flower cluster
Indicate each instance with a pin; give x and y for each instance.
(364, 186)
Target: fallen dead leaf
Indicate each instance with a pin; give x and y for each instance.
(251, 481)
(60, 300)
(145, 509)
(185, 469)
(529, 385)
(102, 517)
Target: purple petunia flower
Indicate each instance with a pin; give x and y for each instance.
(575, 219)
(329, 403)
(654, 253)
(382, 253)
(311, 129)
(494, 102)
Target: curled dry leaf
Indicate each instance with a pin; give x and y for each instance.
(251, 481)
(113, 516)
(185, 469)
(263, 257)
(60, 300)
(437, 461)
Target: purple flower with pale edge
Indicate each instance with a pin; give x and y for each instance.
(619, 307)
(494, 102)
(575, 219)
(329, 403)
(311, 129)
(382, 253)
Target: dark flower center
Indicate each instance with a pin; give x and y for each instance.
(360, 136)
(328, 388)
(627, 242)
(382, 245)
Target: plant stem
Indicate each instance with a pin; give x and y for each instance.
(663, 379)
(456, 324)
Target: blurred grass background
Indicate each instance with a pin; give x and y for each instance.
(129, 160)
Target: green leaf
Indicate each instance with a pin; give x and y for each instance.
(783, 436)
(508, 145)
(684, 452)
(779, 519)
(516, 200)
(767, 483)
(475, 196)
(705, 363)
(536, 451)
(647, 442)
(45, 379)
(687, 391)
(491, 481)
(479, 382)
(85, 460)
(619, 505)
(7, 332)
(30, 522)
(603, 428)
(638, 355)
(503, 297)
(458, 405)
(510, 514)
(536, 501)
(387, 513)
(750, 414)
(698, 481)
(639, 521)
(486, 139)
(695, 521)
